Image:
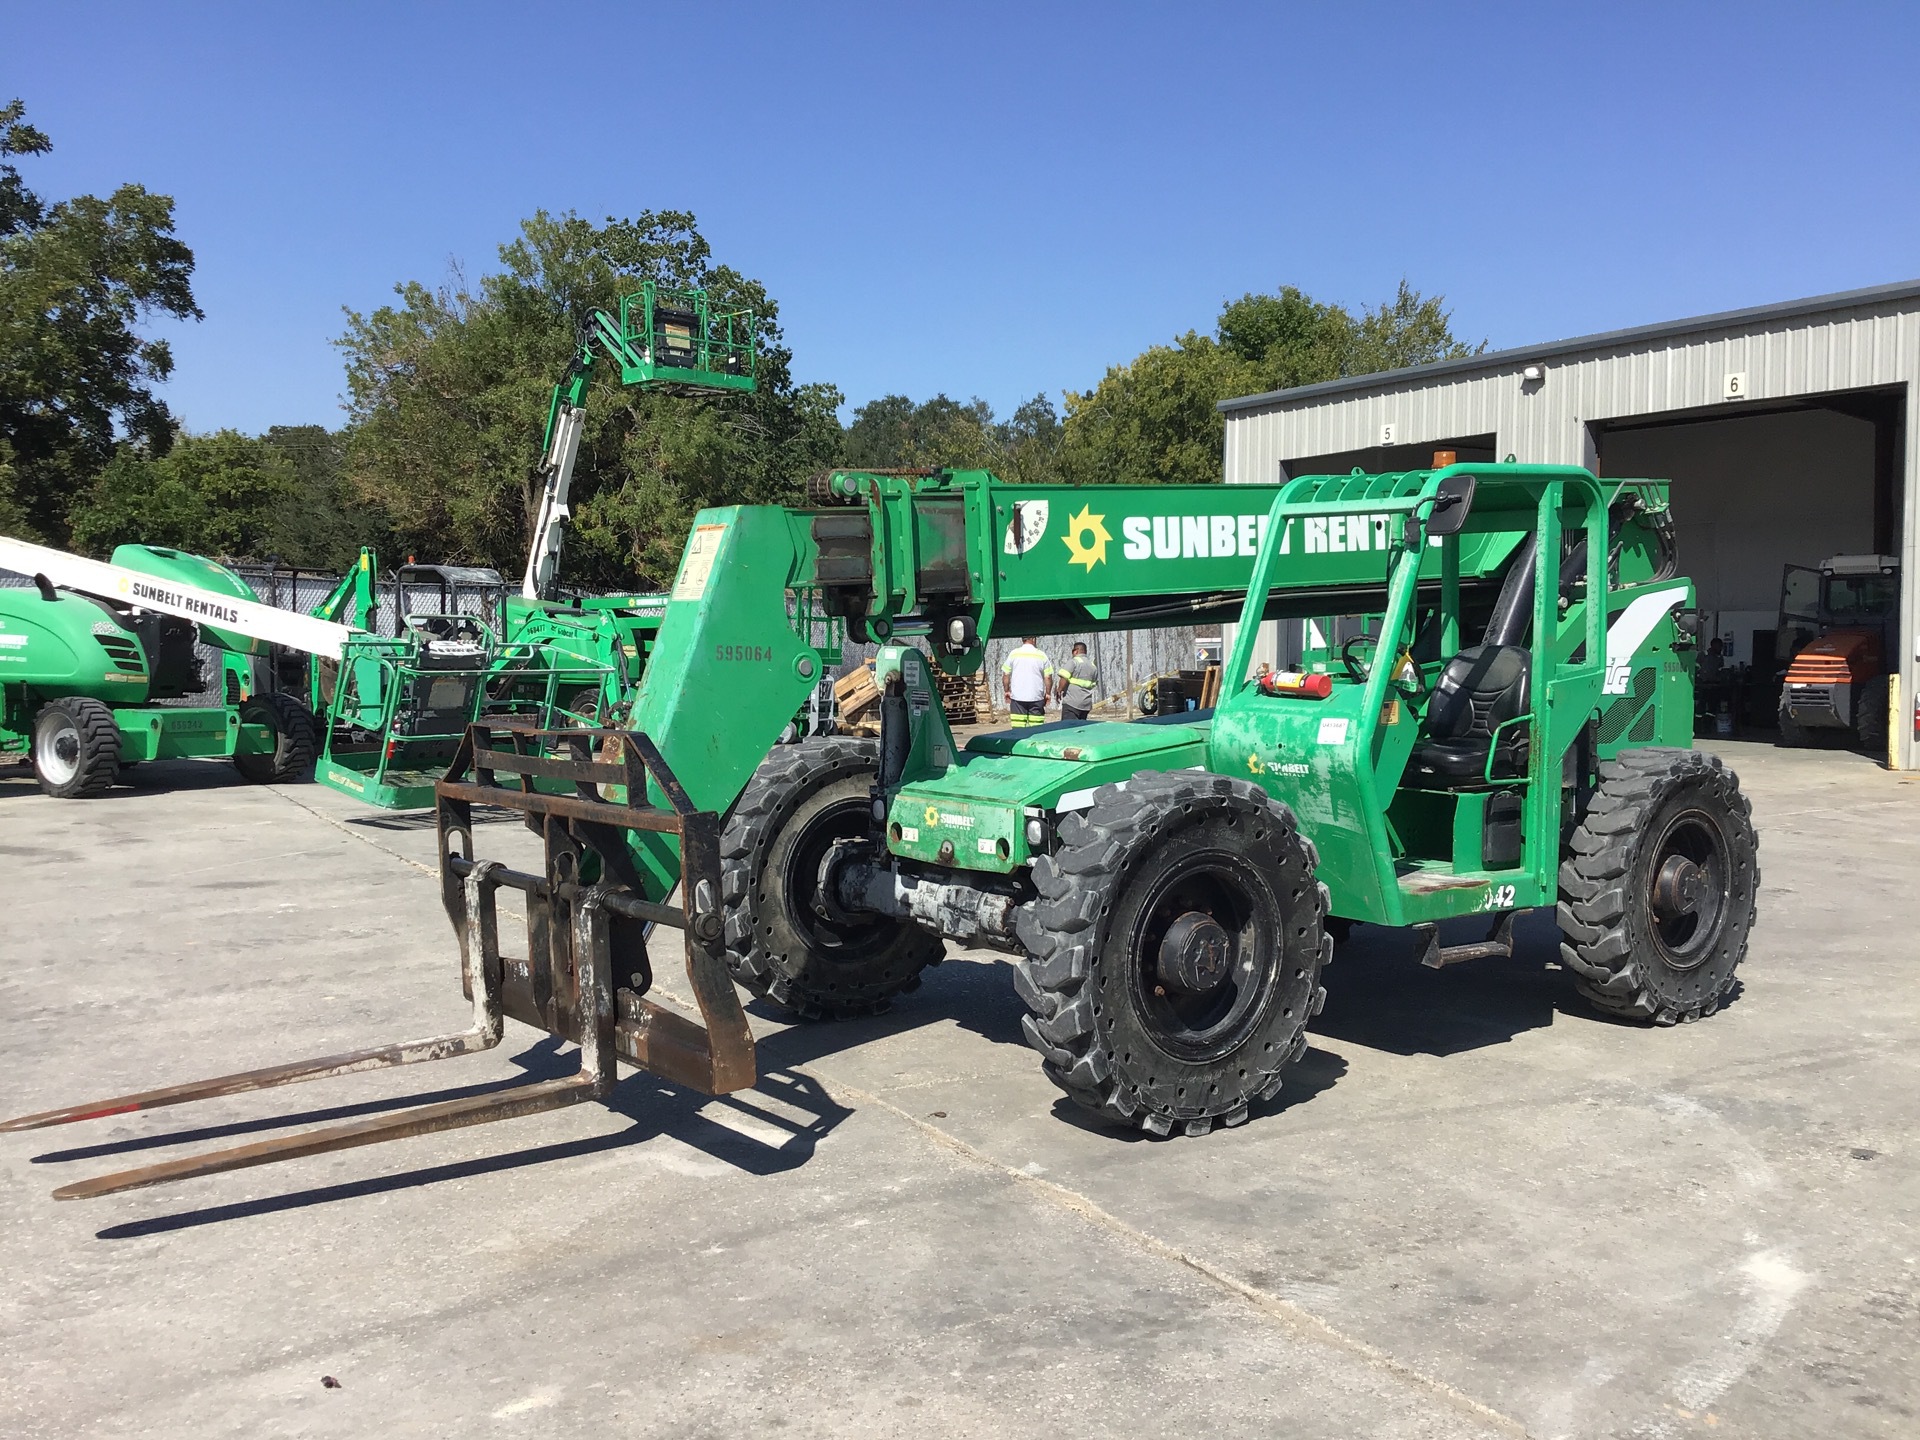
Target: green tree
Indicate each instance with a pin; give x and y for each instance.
(76, 279)
(1154, 421)
(323, 521)
(449, 388)
(213, 494)
(893, 433)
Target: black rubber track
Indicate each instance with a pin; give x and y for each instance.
(296, 743)
(99, 748)
(799, 962)
(1078, 977)
(1605, 907)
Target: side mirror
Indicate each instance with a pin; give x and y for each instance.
(1452, 501)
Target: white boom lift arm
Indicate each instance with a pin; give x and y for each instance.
(170, 597)
(549, 532)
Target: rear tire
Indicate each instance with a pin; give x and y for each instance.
(76, 748)
(1657, 899)
(801, 799)
(295, 740)
(1174, 954)
(1870, 718)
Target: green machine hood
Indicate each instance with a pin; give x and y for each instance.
(979, 807)
(196, 570)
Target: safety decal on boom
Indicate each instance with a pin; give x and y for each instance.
(702, 548)
(1629, 632)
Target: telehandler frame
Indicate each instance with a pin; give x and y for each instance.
(1170, 886)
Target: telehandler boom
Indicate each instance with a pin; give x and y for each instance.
(1507, 732)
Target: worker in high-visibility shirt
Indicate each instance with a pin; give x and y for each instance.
(1078, 677)
(1027, 674)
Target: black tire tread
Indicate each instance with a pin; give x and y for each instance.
(99, 747)
(1062, 932)
(783, 780)
(296, 750)
(1594, 901)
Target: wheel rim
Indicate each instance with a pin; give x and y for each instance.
(57, 749)
(1195, 950)
(800, 883)
(1688, 889)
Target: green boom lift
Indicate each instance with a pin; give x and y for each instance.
(398, 705)
(1509, 733)
(95, 656)
(674, 341)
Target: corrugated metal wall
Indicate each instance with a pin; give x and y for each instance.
(1849, 348)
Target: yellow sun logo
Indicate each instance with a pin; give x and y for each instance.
(933, 815)
(1086, 539)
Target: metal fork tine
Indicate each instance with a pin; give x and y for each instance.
(378, 1057)
(482, 978)
(594, 1022)
(422, 1120)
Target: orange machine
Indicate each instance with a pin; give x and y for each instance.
(1839, 622)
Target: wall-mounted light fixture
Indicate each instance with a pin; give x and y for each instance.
(1533, 375)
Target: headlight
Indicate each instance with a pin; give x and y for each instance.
(1036, 833)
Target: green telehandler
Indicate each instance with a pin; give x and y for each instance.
(1508, 732)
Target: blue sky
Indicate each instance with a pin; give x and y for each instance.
(991, 200)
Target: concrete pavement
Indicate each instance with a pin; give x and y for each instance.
(1475, 1209)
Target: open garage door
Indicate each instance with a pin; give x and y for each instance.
(1755, 492)
(1389, 459)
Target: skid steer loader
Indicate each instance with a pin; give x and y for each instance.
(1509, 733)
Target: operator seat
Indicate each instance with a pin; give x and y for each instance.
(1479, 689)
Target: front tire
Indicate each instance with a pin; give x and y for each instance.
(1657, 900)
(801, 799)
(295, 742)
(1174, 954)
(76, 748)
(1793, 734)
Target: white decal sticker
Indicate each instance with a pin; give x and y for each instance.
(1028, 524)
(1630, 629)
(702, 547)
(1333, 730)
(910, 833)
(12, 642)
(984, 846)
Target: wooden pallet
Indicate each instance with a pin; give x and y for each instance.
(858, 695)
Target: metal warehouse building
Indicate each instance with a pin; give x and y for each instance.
(1784, 430)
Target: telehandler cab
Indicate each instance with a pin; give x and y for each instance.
(1509, 733)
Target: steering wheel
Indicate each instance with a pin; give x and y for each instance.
(1360, 669)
